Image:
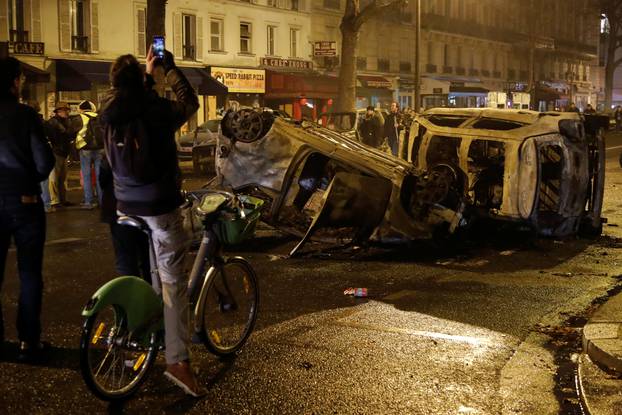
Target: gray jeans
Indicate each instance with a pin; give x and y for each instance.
(171, 242)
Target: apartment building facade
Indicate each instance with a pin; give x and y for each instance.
(67, 46)
(473, 50)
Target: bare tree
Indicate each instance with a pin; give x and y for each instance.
(354, 17)
(612, 11)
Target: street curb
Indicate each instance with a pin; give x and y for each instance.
(602, 335)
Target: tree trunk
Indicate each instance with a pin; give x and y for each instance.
(346, 100)
(156, 17)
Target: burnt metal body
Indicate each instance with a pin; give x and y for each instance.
(542, 169)
(315, 178)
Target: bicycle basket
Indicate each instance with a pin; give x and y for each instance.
(236, 229)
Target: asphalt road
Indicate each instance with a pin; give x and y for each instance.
(444, 331)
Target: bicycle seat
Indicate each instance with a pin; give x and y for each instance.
(134, 221)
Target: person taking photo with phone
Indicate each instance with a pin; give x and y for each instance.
(139, 137)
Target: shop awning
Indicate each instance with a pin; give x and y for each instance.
(545, 93)
(374, 82)
(200, 79)
(34, 74)
(295, 85)
(474, 90)
(75, 75)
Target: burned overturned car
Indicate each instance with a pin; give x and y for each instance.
(313, 179)
(542, 169)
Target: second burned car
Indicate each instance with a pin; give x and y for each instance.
(546, 170)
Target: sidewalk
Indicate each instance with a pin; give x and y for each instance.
(602, 335)
(601, 390)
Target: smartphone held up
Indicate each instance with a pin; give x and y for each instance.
(158, 47)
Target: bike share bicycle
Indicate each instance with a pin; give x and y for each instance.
(124, 326)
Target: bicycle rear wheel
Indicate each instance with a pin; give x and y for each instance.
(112, 365)
(230, 308)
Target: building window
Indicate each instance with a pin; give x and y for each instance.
(216, 38)
(17, 28)
(332, 4)
(246, 31)
(189, 36)
(294, 41)
(141, 31)
(361, 63)
(79, 38)
(405, 67)
(271, 36)
(383, 65)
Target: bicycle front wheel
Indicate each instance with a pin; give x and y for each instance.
(112, 365)
(230, 307)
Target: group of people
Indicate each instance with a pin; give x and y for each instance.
(143, 179)
(72, 134)
(374, 128)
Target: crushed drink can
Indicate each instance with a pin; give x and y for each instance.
(356, 292)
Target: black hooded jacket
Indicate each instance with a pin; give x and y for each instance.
(161, 118)
(26, 158)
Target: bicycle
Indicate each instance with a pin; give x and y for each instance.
(124, 329)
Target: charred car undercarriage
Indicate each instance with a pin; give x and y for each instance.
(318, 182)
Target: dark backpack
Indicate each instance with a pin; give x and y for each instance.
(94, 136)
(130, 154)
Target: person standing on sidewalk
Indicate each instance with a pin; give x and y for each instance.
(58, 131)
(45, 185)
(139, 139)
(392, 127)
(26, 159)
(617, 116)
(90, 143)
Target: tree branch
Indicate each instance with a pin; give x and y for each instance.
(376, 8)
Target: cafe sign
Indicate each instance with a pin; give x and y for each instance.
(294, 64)
(252, 81)
(27, 48)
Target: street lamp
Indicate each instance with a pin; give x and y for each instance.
(417, 97)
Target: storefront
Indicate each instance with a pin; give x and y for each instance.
(245, 86)
(32, 60)
(405, 91)
(462, 95)
(302, 95)
(434, 93)
(376, 91)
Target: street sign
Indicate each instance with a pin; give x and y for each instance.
(325, 48)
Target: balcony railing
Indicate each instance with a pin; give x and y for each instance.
(80, 43)
(405, 67)
(448, 69)
(496, 74)
(430, 68)
(473, 72)
(19, 35)
(460, 70)
(486, 73)
(189, 52)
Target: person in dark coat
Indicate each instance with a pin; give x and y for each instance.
(131, 246)
(26, 159)
(371, 128)
(139, 139)
(392, 127)
(61, 135)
